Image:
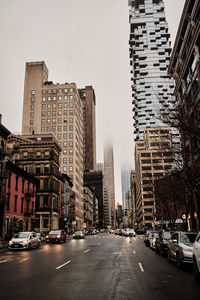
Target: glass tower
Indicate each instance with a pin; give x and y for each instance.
(152, 87)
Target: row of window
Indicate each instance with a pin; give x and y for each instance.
(22, 204)
(65, 169)
(59, 136)
(54, 91)
(46, 154)
(60, 105)
(59, 120)
(65, 112)
(49, 98)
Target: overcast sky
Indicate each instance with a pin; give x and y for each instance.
(82, 41)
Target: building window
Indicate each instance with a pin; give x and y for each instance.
(46, 168)
(70, 151)
(59, 120)
(71, 136)
(64, 135)
(43, 105)
(71, 144)
(46, 184)
(15, 206)
(49, 98)
(71, 97)
(32, 100)
(22, 205)
(43, 113)
(53, 121)
(32, 115)
(70, 127)
(60, 90)
(64, 169)
(48, 121)
(31, 122)
(59, 97)
(54, 105)
(70, 160)
(48, 105)
(70, 169)
(8, 201)
(70, 120)
(53, 113)
(48, 128)
(43, 91)
(59, 136)
(48, 113)
(59, 128)
(43, 99)
(64, 160)
(65, 90)
(42, 129)
(53, 128)
(49, 91)
(65, 112)
(46, 154)
(32, 107)
(64, 152)
(71, 104)
(71, 90)
(38, 154)
(65, 144)
(23, 186)
(54, 97)
(37, 170)
(65, 104)
(59, 105)
(54, 91)
(65, 128)
(32, 92)
(71, 112)
(25, 168)
(65, 97)
(65, 120)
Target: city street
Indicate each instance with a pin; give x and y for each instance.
(103, 266)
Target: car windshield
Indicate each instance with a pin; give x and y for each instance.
(38, 233)
(167, 235)
(55, 232)
(22, 235)
(78, 232)
(188, 238)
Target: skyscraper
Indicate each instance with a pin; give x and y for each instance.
(56, 108)
(152, 88)
(109, 179)
(126, 188)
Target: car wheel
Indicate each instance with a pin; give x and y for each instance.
(196, 269)
(29, 246)
(156, 249)
(38, 245)
(178, 260)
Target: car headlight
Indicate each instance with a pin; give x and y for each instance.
(24, 242)
(10, 243)
(47, 236)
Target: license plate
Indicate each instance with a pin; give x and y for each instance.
(16, 246)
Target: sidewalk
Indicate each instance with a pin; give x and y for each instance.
(3, 246)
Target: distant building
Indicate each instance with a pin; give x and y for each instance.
(109, 179)
(152, 162)
(94, 179)
(89, 127)
(107, 207)
(119, 214)
(126, 188)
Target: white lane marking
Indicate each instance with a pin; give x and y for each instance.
(99, 244)
(141, 267)
(41, 251)
(86, 250)
(63, 264)
(134, 251)
(3, 261)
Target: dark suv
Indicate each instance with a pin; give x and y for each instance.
(161, 245)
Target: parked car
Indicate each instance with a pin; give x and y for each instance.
(161, 244)
(152, 240)
(41, 236)
(117, 231)
(24, 240)
(148, 235)
(56, 236)
(122, 232)
(78, 235)
(180, 247)
(129, 232)
(196, 257)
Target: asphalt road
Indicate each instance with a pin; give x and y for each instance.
(100, 267)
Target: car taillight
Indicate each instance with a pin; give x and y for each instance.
(58, 236)
(47, 236)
